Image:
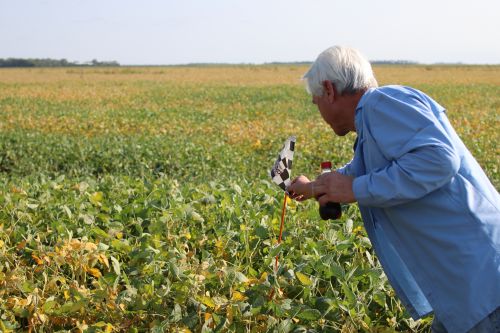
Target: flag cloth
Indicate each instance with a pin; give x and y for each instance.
(281, 173)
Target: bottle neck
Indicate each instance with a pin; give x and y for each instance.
(326, 166)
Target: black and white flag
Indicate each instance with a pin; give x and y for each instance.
(281, 173)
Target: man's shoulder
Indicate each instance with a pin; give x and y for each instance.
(398, 91)
(395, 101)
(372, 96)
(391, 95)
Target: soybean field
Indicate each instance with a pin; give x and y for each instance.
(137, 199)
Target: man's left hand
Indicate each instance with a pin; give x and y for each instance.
(334, 186)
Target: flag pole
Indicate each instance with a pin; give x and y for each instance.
(281, 229)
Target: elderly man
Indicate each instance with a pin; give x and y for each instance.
(432, 215)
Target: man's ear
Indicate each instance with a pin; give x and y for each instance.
(329, 90)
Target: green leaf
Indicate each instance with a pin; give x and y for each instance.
(116, 265)
(237, 188)
(27, 287)
(351, 298)
(261, 232)
(285, 326)
(344, 245)
(276, 249)
(337, 270)
(67, 211)
(309, 314)
(324, 304)
(49, 306)
(70, 307)
(195, 216)
(240, 277)
(379, 297)
(99, 232)
(121, 245)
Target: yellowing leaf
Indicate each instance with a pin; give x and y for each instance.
(237, 296)
(306, 281)
(103, 260)
(229, 314)
(358, 229)
(89, 246)
(37, 259)
(15, 189)
(21, 245)
(207, 301)
(94, 272)
(107, 327)
(184, 330)
(96, 198)
(100, 324)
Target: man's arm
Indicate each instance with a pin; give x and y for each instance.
(421, 156)
(408, 178)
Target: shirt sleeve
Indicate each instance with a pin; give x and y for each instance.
(421, 156)
(348, 169)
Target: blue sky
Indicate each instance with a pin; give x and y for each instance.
(257, 31)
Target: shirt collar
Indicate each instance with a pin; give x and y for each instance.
(359, 107)
(364, 98)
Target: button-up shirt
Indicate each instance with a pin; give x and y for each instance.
(431, 213)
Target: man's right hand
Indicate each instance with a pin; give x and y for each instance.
(301, 188)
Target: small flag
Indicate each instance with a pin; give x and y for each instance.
(281, 173)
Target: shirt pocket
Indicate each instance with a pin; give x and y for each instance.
(372, 156)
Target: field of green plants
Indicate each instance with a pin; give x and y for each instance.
(138, 200)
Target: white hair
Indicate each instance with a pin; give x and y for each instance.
(347, 69)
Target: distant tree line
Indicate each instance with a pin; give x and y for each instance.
(19, 62)
(373, 62)
(393, 62)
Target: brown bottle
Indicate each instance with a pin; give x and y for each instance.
(331, 210)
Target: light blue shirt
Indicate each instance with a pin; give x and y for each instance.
(432, 215)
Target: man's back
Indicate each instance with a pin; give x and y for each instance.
(419, 187)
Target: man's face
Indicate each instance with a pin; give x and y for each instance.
(332, 114)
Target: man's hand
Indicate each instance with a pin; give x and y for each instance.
(300, 189)
(334, 187)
